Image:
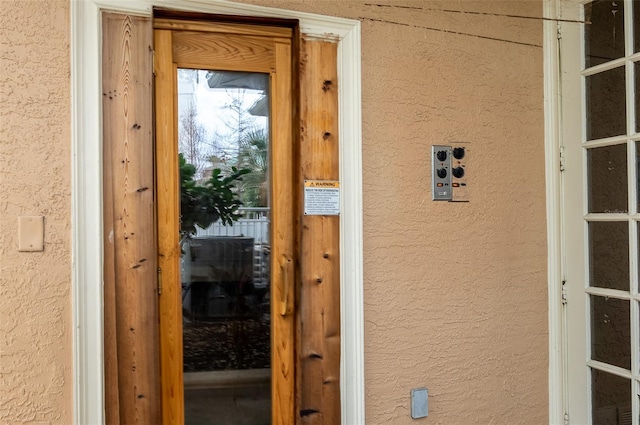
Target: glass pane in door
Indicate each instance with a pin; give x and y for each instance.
(637, 175)
(604, 36)
(636, 27)
(606, 104)
(610, 331)
(607, 179)
(224, 154)
(610, 399)
(609, 255)
(636, 71)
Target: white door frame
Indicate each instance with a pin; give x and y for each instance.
(552, 105)
(560, 360)
(87, 237)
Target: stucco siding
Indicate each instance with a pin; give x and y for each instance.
(455, 293)
(35, 287)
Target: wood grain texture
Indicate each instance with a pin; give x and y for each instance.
(223, 27)
(131, 338)
(112, 412)
(283, 249)
(223, 52)
(168, 193)
(319, 305)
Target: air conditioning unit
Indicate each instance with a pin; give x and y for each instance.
(217, 276)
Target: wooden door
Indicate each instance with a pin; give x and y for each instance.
(224, 46)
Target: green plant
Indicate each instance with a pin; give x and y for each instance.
(215, 199)
(253, 155)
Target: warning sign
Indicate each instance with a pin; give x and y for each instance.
(321, 197)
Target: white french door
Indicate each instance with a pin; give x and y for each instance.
(600, 142)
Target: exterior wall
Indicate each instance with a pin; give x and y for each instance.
(455, 293)
(35, 287)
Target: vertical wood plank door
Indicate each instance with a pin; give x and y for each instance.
(319, 306)
(200, 294)
(130, 302)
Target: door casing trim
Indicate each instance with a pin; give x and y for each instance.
(86, 169)
(552, 130)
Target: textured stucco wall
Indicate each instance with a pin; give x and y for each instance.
(455, 294)
(35, 288)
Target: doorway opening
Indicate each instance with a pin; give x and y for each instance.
(124, 389)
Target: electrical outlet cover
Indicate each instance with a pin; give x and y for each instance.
(419, 403)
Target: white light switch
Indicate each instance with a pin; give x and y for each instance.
(31, 233)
